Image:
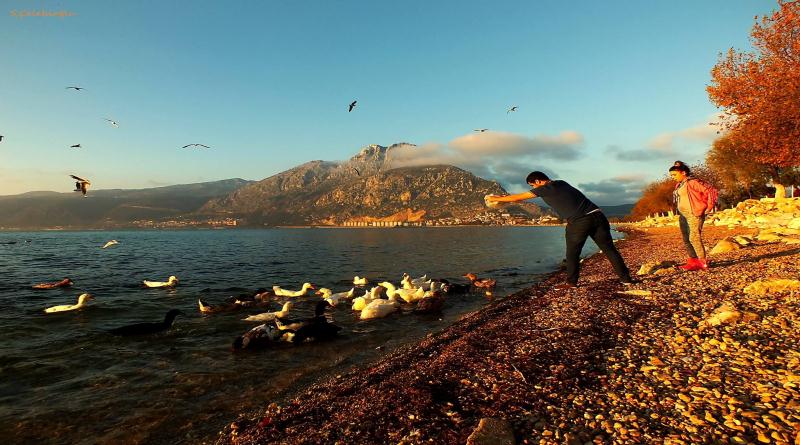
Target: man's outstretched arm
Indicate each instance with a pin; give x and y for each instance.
(511, 198)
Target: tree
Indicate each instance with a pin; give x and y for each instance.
(656, 198)
(759, 91)
(737, 173)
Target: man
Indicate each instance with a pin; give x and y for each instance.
(695, 199)
(584, 219)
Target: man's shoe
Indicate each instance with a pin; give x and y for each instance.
(564, 286)
(702, 264)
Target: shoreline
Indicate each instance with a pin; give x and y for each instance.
(578, 366)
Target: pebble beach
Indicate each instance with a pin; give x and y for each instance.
(680, 357)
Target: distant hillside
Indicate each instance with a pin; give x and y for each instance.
(108, 208)
(365, 187)
(617, 211)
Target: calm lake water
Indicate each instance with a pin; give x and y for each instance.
(64, 379)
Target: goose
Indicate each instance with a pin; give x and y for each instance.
(408, 295)
(292, 293)
(359, 303)
(82, 299)
(172, 281)
(66, 282)
(380, 308)
(360, 281)
(110, 243)
(431, 304)
(332, 298)
(484, 283)
(261, 336)
(271, 316)
(148, 328)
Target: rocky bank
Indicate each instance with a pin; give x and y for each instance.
(682, 358)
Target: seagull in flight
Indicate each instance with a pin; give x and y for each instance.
(514, 108)
(195, 145)
(1, 137)
(481, 130)
(81, 185)
(75, 88)
(110, 243)
(75, 146)
(112, 122)
(352, 105)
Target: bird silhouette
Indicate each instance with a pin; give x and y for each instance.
(195, 145)
(1, 137)
(76, 88)
(514, 108)
(75, 146)
(81, 185)
(356, 170)
(352, 105)
(481, 130)
(114, 123)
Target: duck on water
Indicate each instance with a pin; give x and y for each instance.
(147, 328)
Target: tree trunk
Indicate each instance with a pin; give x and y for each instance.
(780, 191)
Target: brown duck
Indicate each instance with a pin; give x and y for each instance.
(484, 283)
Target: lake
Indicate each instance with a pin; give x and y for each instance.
(65, 379)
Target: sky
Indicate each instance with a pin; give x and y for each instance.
(608, 93)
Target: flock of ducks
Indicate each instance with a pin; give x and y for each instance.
(422, 295)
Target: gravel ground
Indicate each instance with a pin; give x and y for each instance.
(589, 365)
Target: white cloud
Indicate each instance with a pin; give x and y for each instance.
(504, 157)
(672, 144)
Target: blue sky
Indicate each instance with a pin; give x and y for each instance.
(608, 93)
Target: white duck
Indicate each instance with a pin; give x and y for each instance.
(270, 316)
(332, 298)
(408, 295)
(414, 282)
(360, 281)
(380, 308)
(292, 293)
(359, 303)
(82, 299)
(172, 281)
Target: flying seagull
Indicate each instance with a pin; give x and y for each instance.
(514, 108)
(352, 105)
(195, 145)
(110, 243)
(75, 146)
(75, 88)
(481, 130)
(1, 137)
(81, 185)
(112, 122)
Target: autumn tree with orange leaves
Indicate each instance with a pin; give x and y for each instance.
(759, 92)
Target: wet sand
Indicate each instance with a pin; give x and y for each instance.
(589, 365)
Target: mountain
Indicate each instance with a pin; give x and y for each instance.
(617, 211)
(108, 208)
(366, 187)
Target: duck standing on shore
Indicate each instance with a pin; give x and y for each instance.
(82, 300)
(66, 282)
(172, 281)
(148, 328)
